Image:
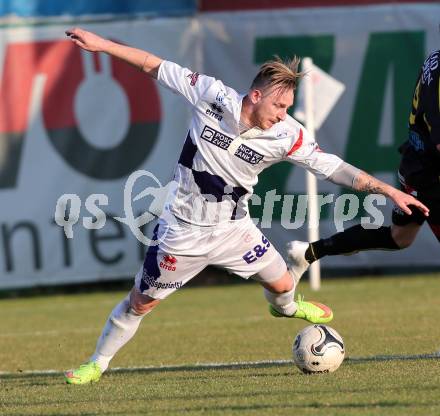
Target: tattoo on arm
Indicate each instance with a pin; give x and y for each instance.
(367, 183)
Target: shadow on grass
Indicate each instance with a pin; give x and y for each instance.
(225, 366)
(228, 409)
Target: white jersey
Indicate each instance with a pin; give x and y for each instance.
(218, 168)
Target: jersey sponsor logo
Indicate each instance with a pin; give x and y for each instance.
(258, 251)
(168, 263)
(150, 281)
(429, 66)
(217, 108)
(193, 78)
(214, 111)
(248, 155)
(218, 139)
(168, 258)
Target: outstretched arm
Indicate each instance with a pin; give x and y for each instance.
(367, 183)
(331, 167)
(145, 61)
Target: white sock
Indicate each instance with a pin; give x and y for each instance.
(120, 327)
(282, 302)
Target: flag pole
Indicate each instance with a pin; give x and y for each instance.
(311, 181)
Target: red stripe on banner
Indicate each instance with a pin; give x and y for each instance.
(22, 63)
(61, 63)
(238, 5)
(297, 144)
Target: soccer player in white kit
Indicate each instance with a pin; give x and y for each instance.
(232, 138)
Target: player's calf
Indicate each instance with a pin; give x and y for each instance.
(141, 304)
(120, 327)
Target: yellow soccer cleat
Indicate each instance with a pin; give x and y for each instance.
(86, 373)
(314, 312)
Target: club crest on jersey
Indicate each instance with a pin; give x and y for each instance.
(193, 78)
(168, 262)
(221, 97)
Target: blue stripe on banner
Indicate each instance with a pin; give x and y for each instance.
(35, 8)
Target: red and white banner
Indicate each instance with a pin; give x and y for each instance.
(78, 124)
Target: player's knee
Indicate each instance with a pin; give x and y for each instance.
(142, 304)
(283, 285)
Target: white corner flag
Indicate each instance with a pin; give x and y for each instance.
(326, 92)
(316, 97)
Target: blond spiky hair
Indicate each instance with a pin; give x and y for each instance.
(278, 74)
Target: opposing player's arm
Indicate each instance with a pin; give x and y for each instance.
(145, 61)
(367, 183)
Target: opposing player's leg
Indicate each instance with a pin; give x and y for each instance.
(352, 240)
(297, 262)
(400, 235)
(161, 274)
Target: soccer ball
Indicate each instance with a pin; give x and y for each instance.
(318, 349)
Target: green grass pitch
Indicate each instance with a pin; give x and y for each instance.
(389, 325)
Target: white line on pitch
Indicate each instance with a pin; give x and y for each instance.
(231, 365)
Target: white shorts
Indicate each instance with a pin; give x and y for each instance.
(185, 250)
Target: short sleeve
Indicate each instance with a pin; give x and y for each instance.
(192, 85)
(306, 153)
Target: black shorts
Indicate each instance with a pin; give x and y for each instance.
(429, 197)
